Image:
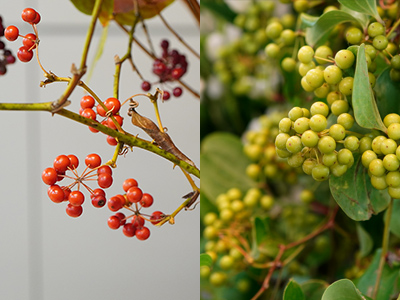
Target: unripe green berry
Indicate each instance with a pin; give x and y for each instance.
(393, 179)
(272, 50)
(379, 182)
(333, 74)
(390, 162)
(354, 36)
(338, 170)
(376, 167)
(226, 262)
(394, 192)
(344, 59)
(320, 173)
(346, 120)
(315, 78)
(283, 153)
(210, 232)
(309, 138)
(322, 53)
(288, 37)
(293, 144)
(376, 144)
(280, 140)
(304, 68)
(288, 64)
(266, 202)
(319, 108)
(301, 125)
(218, 278)
(205, 271)
(329, 159)
(322, 91)
(318, 123)
(375, 29)
(352, 143)
(395, 62)
(339, 107)
(388, 146)
(295, 113)
(253, 171)
(296, 160)
(380, 42)
(346, 86)
(210, 218)
(274, 30)
(333, 96)
(305, 54)
(394, 75)
(305, 85)
(306, 196)
(326, 144)
(344, 156)
(337, 131)
(365, 144)
(391, 118)
(308, 165)
(371, 51)
(393, 131)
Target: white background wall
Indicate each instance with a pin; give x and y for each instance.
(44, 254)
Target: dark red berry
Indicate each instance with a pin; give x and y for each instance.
(166, 95)
(146, 86)
(177, 73)
(177, 92)
(99, 201)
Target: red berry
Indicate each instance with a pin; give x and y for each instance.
(56, 193)
(104, 180)
(99, 201)
(119, 120)
(128, 183)
(129, 230)
(166, 95)
(37, 19)
(60, 176)
(88, 113)
(29, 41)
(164, 44)
(74, 161)
(114, 222)
(159, 68)
(142, 233)
(177, 73)
(61, 163)
(10, 59)
(104, 169)
(49, 176)
(93, 160)
(94, 130)
(29, 15)
(112, 141)
(67, 191)
(156, 217)
(146, 86)
(134, 194)
(98, 192)
(100, 110)
(122, 198)
(177, 92)
(147, 200)
(11, 33)
(74, 211)
(114, 203)
(76, 198)
(137, 221)
(121, 217)
(24, 54)
(113, 105)
(87, 102)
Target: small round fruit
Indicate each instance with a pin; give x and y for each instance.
(326, 144)
(344, 59)
(305, 54)
(320, 173)
(318, 122)
(11, 33)
(319, 108)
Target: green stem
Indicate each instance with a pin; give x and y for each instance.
(393, 28)
(125, 138)
(385, 246)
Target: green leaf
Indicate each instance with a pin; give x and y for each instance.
(220, 8)
(325, 24)
(355, 195)
(307, 20)
(365, 109)
(388, 280)
(293, 291)
(395, 221)
(205, 260)
(387, 94)
(86, 6)
(342, 289)
(366, 242)
(367, 7)
(99, 52)
(260, 229)
(223, 165)
(363, 19)
(314, 289)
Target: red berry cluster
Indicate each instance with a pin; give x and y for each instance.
(113, 106)
(29, 41)
(170, 66)
(94, 171)
(134, 200)
(6, 57)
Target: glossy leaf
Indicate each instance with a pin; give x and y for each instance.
(260, 230)
(307, 20)
(220, 8)
(223, 165)
(367, 7)
(387, 94)
(395, 221)
(365, 109)
(293, 291)
(366, 242)
(342, 289)
(355, 195)
(325, 24)
(388, 280)
(363, 19)
(205, 260)
(314, 289)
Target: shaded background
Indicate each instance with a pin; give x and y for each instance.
(44, 253)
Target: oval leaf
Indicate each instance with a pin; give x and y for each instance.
(205, 260)
(314, 289)
(342, 289)
(223, 165)
(367, 7)
(366, 242)
(365, 109)
(387, 285)
(387, 94)
(293, 291)
(325, 24)
(355, 195)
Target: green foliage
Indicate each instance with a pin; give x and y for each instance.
(293, 291)
(205, 260)
(342, 289)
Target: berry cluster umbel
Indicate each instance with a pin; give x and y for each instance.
(30, 40)
(6, 56)
(170, 67)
